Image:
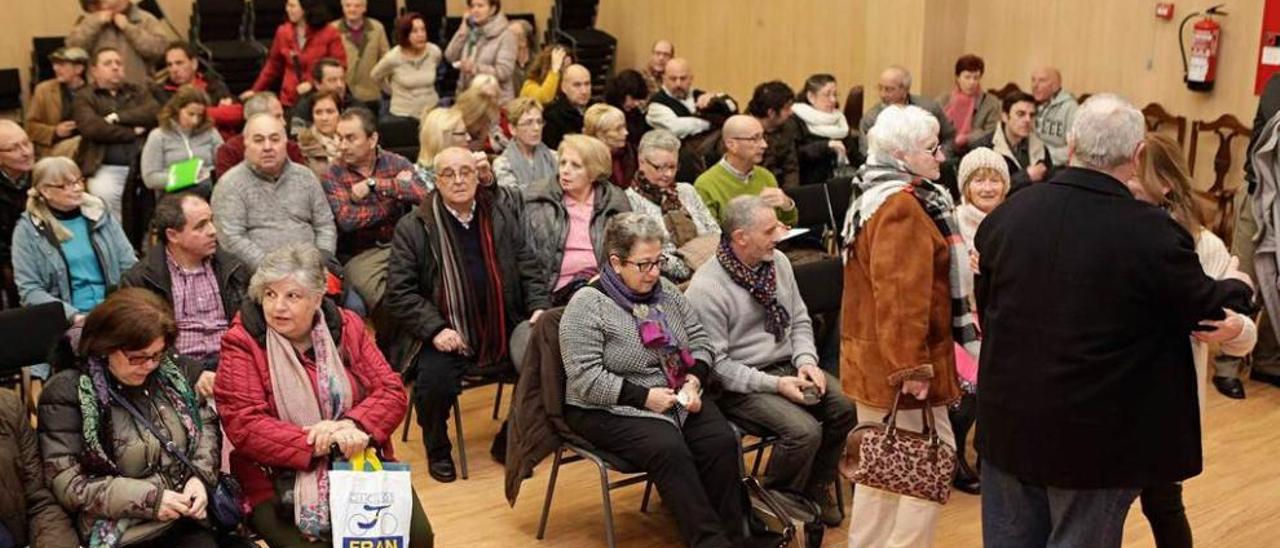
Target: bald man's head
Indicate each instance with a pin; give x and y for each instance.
(17, 155)
(456, 177)
(677, 79)
(575, 84)
(264, 144)
(1045, 83)
(894, 86)
(744, 143)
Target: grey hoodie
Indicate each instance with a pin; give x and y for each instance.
(1053, 121)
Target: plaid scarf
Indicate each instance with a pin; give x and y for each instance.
(762, 283)
(99, 452)
(483, 328)
(876, 181)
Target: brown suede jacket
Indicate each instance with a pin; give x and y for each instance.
(897, 308)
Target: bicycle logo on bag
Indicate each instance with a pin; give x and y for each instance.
(369, 525)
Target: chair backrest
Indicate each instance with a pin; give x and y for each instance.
(267, 15)
(10, 89)
(218, 20)
(32, 333)
(811, 205)
(1226, 128)
(839, 194)
(1005, 90)
(821, 283)
(41, 48)
(853, 106)
(1156, 116)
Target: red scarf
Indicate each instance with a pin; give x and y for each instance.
(960, 111)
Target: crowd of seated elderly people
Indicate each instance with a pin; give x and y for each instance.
(295, 271)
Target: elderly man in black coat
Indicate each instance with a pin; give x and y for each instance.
(1088, 297)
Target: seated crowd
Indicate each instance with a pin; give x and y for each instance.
(296, 271)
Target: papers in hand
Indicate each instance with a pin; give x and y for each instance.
(795, 232)
(184, 175)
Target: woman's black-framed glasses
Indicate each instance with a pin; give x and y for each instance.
(646, 267)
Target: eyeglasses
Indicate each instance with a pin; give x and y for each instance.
(78, 183)
(646, 267)
(665, 168)
(934, 150)
(145, 359)
(449, 175)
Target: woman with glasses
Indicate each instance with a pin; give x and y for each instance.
(526, 159)
(822, 136)
(301, 381)
(905, 307)
(66, 248)
(635, 361)
(654, 191)
(103, 463)
(441, 128)
(565, 217)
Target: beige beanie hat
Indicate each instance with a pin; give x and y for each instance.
(979, 158)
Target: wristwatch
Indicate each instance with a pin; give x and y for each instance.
(373, 184)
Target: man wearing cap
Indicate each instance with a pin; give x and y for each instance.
(49, 121)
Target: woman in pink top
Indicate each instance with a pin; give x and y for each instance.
(565, 218)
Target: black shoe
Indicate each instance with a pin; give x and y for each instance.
(831, 514)
(442, 469)
(966, 479)
(1273, 380)
(1229, 387)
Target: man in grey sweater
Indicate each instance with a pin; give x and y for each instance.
(763, 348)
(266, 201)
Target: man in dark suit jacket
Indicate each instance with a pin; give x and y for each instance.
(565, 115)
(1088, 297)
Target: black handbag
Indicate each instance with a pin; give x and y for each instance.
(224, 508)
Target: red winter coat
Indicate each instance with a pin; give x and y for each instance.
(246, 405)
(321, 42)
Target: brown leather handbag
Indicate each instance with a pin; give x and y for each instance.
(915, 464)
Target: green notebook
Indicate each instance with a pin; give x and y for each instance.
(184, 175)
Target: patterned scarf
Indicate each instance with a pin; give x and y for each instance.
(678, 221)
(877, 180)
(651, 324)
(99, 451)
(299, 403)
(762, 283)
(483, 328)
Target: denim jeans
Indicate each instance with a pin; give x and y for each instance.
(1024, 515)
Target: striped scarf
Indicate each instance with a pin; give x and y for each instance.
(483, 328)
(98, 458)
(877, 180)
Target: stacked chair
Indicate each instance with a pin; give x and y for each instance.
(573, 23)
(220, 35)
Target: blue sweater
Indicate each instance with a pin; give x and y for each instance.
(88, 287)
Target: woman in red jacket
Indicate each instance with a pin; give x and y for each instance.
(304, 38)
(297, 378)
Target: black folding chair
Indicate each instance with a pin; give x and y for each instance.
(27, 336)
(604, 462)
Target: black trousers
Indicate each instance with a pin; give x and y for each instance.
(439, 382)
(694, 467)
(185, 533)
(1162, 505)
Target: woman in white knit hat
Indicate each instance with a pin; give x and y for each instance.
(984, 184)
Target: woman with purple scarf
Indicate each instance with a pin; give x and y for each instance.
(635, 361)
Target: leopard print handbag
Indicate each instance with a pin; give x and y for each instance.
(915, 464)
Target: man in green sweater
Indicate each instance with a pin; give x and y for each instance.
(739, 172)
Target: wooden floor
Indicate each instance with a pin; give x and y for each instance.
(1234, 503)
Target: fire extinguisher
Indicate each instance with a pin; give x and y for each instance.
(1202, 67)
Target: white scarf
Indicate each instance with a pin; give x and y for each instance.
(831, 125)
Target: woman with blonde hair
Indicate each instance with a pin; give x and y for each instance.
(565, 217)
(66, 248)
(1164, 180)
(526, 159)
(480, 111)
(441, 128)
(608, 124)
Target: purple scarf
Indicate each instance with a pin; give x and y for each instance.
(651, 325)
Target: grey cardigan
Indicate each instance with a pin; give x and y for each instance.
(547, 221)
(168, 145)
(601, 347)
(734, 322)
(255, 215)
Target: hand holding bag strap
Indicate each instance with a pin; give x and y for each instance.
(891, 420)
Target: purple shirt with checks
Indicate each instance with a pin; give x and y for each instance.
(197, 308)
